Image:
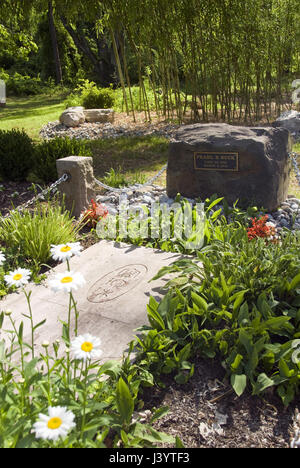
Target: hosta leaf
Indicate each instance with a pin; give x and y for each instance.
(239, 383)
(263, 382)
(238, 359)
(295, 281)
(199, 301)
(124, 400)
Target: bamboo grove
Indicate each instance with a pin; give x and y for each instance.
(204, 60)
(230, 60)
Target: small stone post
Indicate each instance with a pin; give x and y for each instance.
(79, 189)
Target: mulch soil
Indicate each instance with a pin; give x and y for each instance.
(14, 194)
(206, 413)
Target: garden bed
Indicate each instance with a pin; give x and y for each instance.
(198, 406)
(14, 194)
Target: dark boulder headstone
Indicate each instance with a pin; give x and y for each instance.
(248, 164)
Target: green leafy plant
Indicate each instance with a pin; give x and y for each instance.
(238, 301)
(116, 178)
(18, 84)
(88, 95)
(32, 233)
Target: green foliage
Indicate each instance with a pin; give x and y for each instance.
(88, 95)
(165, 57)
(32, 234)
(24, 85)
(139, 99)
(238, 301)
(16, 154)
(16, 41)
(165, 229)
(98, 98)
(70, 60)
(47, 152)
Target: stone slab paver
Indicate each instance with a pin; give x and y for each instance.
(111, 305)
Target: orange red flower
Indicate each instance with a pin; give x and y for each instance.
(261, 228)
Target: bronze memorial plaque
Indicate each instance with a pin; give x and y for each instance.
(211, 161)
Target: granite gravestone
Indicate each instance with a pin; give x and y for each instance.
(248, 164)
(2, 94)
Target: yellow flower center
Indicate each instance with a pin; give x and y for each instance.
(65, 248)
(17, 277)
(67, 279)
(54, 423)
(87, 346)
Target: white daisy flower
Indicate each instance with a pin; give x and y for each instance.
(64, 252)
(56, 424)
(2, 258)
(86, 347)
(17, 278)
(67, 281)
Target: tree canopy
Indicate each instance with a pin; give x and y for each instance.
(223, 58)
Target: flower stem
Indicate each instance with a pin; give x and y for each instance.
(84, 399)
(31, 320)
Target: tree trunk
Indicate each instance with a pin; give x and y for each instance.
(58, 71)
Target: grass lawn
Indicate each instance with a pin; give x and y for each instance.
(131, 156)
(31, 112)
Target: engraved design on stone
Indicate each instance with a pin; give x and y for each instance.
(116, 283)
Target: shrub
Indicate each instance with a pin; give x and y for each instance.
(16, 154)
(98, 98)
(47, 152)
(88, 95)
(24, 85)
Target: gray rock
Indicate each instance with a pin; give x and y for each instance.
(293, 200)
(262, 175)
(72, 117)
(284, 223)
(99, 115)
(148, 199)
(291, 121)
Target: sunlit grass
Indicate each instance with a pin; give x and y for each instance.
(31, 113)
